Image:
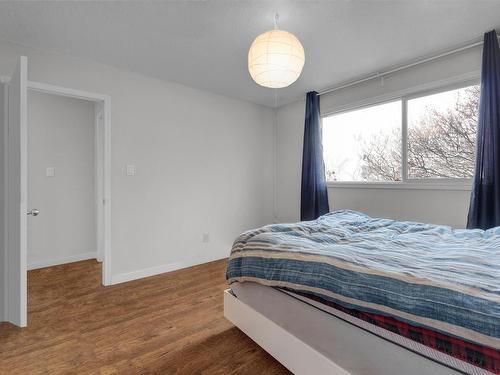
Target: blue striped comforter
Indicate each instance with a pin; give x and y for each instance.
(444, 279)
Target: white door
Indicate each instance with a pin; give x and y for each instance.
(17, 192)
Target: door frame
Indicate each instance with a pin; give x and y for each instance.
(15, 198)
(103, 158)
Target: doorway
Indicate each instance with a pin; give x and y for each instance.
(17, 185)
(62, 180)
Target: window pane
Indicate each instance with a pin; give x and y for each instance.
(364, 145)
(442, 134)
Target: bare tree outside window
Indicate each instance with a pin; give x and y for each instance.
(382, 157)
(441, 143)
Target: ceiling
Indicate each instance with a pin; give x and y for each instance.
(204, 44)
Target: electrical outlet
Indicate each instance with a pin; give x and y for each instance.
(206, 237)
(50, 172)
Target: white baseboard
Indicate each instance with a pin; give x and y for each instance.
(55, 262)
(152, 271)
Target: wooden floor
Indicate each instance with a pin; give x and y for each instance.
(166, 324)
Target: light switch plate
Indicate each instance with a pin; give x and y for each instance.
(50, 172)
(130, 170)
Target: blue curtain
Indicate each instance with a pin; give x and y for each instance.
(484, 210)
(314, 195)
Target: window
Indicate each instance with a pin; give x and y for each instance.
(356, 142)
(437, 131)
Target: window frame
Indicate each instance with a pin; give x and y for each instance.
(404, 96)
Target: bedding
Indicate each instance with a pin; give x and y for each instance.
(436, 278)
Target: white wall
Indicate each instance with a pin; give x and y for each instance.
(3, 254)
(61, 136)
(435, 206)
(204, 163)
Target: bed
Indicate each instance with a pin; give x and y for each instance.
(392, 297)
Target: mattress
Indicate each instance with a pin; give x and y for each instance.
(424, 280)
(357, 346)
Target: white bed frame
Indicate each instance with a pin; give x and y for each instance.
(292, 353)
(370, 354)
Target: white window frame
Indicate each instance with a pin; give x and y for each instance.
(454, 83)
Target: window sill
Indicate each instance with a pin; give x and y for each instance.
(452, 186)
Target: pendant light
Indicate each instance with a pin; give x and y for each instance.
(275, 58)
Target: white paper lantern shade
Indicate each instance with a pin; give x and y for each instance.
(275, 59)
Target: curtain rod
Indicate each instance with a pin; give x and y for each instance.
(399, 68)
